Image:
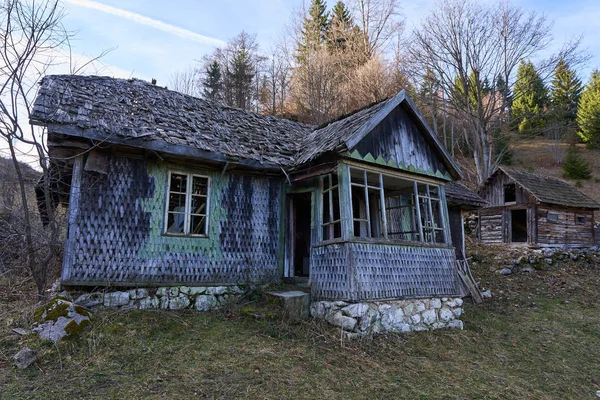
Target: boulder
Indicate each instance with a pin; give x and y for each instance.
(356, 310)
(505, 271)
(25, 357)
(216, 290)
(61, 319)
(430, 317)
(205, 302)
(116, 299)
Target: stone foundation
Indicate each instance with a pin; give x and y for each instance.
(165, 298)
(391, 315)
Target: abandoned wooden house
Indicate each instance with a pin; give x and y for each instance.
(529, 209)
(167, 189)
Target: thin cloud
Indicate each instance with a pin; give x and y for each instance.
(140, 19)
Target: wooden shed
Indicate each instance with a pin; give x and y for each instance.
(529, 209)
(168, 189)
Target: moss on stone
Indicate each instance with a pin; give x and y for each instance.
(74, 329)
(57, 307)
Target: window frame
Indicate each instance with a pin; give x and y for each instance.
(513, 189)
(577, 217)
(188, 204)
(554, 215)
(331, 223)
(416, 204)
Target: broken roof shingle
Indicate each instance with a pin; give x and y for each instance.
(132, 108)
(550, 190)
(113, 109)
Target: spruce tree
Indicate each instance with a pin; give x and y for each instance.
(339, 26)
(240, 75)
(564, 95)
(530, 98)
(212, 83)
(314, 30)
(575, 167)
(588, 113)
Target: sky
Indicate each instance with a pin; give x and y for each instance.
(154, 39)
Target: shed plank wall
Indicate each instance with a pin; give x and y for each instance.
(118, 236)
(566, 231)
(493, 193)
(490, 225)
(397, 138)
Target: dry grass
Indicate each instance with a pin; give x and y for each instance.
(534, 155)
(537, 339)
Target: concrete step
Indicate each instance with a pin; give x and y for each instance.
(295, 303)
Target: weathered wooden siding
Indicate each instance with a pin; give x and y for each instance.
(398, 142)
(116, 231)
(374, 271)
(491, 229)
(494, 191)
(566, 231)
(457, 231)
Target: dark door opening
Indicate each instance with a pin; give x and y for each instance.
(518, 225)
(301, 217)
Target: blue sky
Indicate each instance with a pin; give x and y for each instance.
(156, 38)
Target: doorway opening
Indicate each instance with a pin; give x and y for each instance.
(518, 226)
(300, 234)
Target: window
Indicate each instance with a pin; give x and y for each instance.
(331, 208)
(389, 207)
(510, 193)
(551, 217)
(187, 207)
(580, 219)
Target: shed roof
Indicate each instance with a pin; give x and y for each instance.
(140, 114)
(459, 194)
(549, 190)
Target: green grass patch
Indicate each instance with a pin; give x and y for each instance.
(537, 339)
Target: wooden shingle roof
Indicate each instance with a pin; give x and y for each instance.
(459, 194)
(550, 190)
(139, 114)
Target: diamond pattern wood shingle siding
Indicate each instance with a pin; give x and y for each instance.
(117, 236)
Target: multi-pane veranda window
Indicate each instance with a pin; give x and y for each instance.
(187, 206)
(331, 224)
(385, 206)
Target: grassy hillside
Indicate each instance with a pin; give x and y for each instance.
(538, 338)
(536, 155)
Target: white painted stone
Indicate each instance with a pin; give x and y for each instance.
(216, 290)
(416, 319)
(457, 312)
(164, 303)
(436, 303)
(318, 309)
(455, 324)
(116, 299)
(179, 302)
(90, 300)
(458, 301)
(148, 303)
(419, 306)
(235, 290)
(340, 304)
(195, 291)
(409, 309)
(346, 323)
(446, 314)
(135, 294)
(429, 317)
(173, 291)
(205, 303)
(356, 310)
(162, 291)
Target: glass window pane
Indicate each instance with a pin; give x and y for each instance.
(200, 185)
(198, 225)
(175, 223)
(198, 205)
(373, 179)
(326, 208)
(176, 202)
(178, 183)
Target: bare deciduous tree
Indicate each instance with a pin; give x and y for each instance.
(467, 46)
(32, 39)
(185, 81)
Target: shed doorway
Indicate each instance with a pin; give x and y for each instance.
(299, 234)
(518, 228)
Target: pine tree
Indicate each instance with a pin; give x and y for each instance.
(314, 30)
(240, 75)
(212, 83)
(531, 97)
(588, 113)
(575, 167)
(564, 95)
